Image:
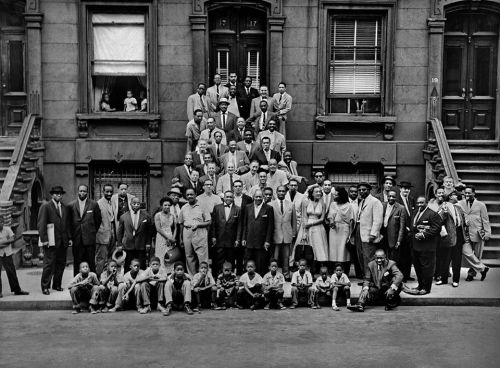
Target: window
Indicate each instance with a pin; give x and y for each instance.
(355, 65)
(16, 65)
(118, 60)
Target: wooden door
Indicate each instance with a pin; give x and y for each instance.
(470, 76)
(238, 43)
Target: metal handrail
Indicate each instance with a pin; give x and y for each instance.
(444, 149)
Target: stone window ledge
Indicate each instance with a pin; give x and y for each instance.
(387, 123)
(83, 121)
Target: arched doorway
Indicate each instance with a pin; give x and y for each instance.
(237, 42)
(470, 72)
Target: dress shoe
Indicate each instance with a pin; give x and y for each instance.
(439, 282)
(187, 309)
(484, 272)
(455, 284)
(57, 288)
(45, 292)
(422, 292)
(469, 277)
(356, 308)
(281, 306)
(21, 292)
(168, 310)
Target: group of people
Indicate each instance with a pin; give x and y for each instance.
(235, 211)
(130, 103)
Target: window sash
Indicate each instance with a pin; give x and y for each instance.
(253, 67)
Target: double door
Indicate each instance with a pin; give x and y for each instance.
(470, 76)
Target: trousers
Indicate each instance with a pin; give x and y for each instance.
(150, 292)
(83, 254)
(54, 262)
(425, 266)
(196, 248)
(84, 293)
(8, 263)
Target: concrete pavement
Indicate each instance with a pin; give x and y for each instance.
(486, 293)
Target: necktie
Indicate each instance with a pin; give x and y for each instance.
(263, 121)
(405, 201)
(457, 218)
(202, 104)
(417, 216)
(218, 150)
(59, 208)
(360, 209)
(136, 220)
(231, 180)
(280, 99)
(241, 132)
(281, 206)
(223, 120)
(217, 92)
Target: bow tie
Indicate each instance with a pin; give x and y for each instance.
(227, 205)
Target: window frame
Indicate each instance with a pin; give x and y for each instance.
(146, 7)
(329, 10)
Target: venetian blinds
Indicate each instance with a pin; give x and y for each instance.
(253, 67)
(119, 44)
(355, 61)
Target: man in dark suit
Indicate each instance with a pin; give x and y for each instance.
(257, 233)
(265, 153)
(225, 231)
(393, 227)
(247, 94)
(248, 145)
(233, 81)
(259, 121)
(194, 182)
(135, 234)
(217, 148)
(426, 225)
(238, 133)
(183, 172)
(388, 184)
(198, 155)
(55, 237)
(383, 281)
(405, 199)
(84, 222)
(223, 119)
(241, 200)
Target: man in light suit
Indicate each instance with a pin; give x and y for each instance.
(353, 201)
(225, 231)
(247, 94)
(248, 145)
(209, 133)
(476, 217)
(393, 228)
(282, 106)
(294, 196)
(121, 202)
(135, 234)
(289, 166)
(216, 92)
(257, 231)
(264, 96)
(238, 158)
(223, 119)
(218, 148)
(226, 181)
(235, 103)
(251, 178)
(368, 223)
(259, 120)
(84, 221)
(198, 101)
(106, 235)
(285, 228)
(183, 172)
(54, 213)
(278, 142)
(425, 228)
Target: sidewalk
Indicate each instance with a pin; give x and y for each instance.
(475, 293)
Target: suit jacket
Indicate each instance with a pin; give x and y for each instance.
(223, 149)
(246, 200)
(84, 228)
(242, 147)
(209, 136)
(389, 274)
(106, 232)
(278, 142)
(246, 100)
(215, 180)
(477, 219)
(198, 187)
(370, 218)
(137, 240)
(257, 231)
(432, 223)
(235, 135)
(114, 206)
(465, 228)
(48, 214)
(260, 156)
(255, 105)
(411, 208)
(396, 225)
(242, 161)
(213, 98)
(194, 102)
(380, 197)
(226, 232)
(230, 122)
(254, 120)
(224, 183)
(283, 106)
(197, 160)
(181, 173)
(297, 203)
(285, 223)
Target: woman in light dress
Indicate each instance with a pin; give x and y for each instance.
(312, 232)
(341, 216)
(165, 233)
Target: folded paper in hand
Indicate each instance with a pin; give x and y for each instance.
(51, 235)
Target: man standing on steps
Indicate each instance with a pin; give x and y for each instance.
(476, 217)
(408, 202)
(54, 236)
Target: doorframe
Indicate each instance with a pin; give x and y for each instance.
(200, 37)
(435, 24)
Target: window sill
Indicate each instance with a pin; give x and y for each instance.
(386, 122)
(84, 120)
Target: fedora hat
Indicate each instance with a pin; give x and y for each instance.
(57, 189)
(364, 184)
(388, 177)
(405, 184)
(223, 100)
(119, 257)
(175, 190)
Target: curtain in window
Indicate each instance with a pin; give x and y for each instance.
(355, 61)
(102, 84)
(119, 44)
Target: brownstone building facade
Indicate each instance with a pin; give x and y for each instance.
(366, 78)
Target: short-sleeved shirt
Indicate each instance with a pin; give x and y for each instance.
(79, 278)
(129, 279)
(201, 280)
(277, 179)
(148, 272)
(5, 234)
(342, 279)
(116, 280)
(272, 281)
(130, 104)
(298, 279)
(209, 201)
(222, 280)
(320, 283)
(245, 279)
(194, 130)
(193, 214)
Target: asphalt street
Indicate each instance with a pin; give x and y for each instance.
(407, 337)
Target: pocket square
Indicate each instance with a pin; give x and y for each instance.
(90, 211)
(145, 221)
(264, 215)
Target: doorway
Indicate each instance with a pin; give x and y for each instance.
(470, 75)
(238, 43)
